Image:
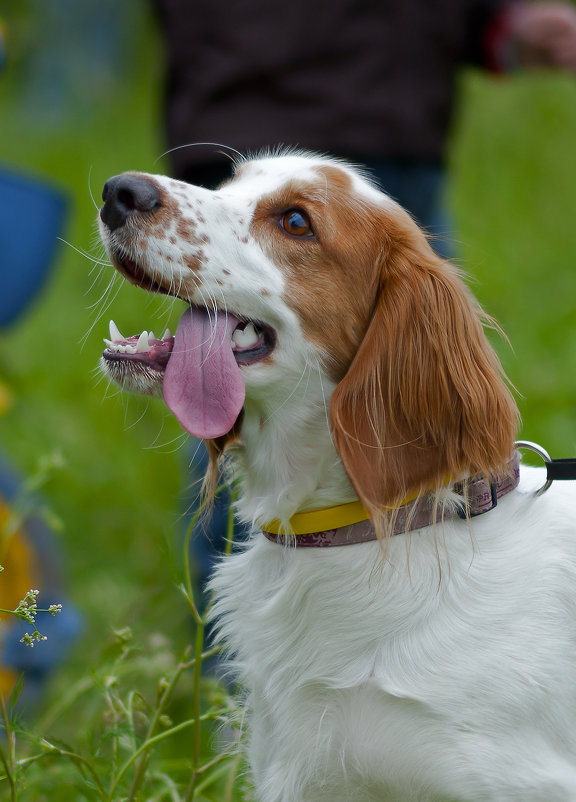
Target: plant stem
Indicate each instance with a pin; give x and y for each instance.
(9, 776)
(141, 750)
(160, 707)
(197, 788)
(196, 700)
(81, 761)
(8, 757)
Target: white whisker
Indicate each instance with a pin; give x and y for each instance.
(225, 150)
(305, 372)
(179, 442)
(137, 420)
(104, 303)
(92, 198)
(90, 257)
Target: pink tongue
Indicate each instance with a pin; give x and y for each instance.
(203, 385)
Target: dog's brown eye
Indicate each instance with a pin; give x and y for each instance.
(296, 223)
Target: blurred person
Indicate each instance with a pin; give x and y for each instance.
(371, 82)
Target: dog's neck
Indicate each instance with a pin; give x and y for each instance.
(286, 458)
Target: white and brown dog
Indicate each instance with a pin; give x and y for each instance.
(395, 644)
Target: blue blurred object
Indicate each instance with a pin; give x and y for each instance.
(32, 215)
(43, 566)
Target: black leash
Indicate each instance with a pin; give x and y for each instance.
(556, 469)
(561, 469)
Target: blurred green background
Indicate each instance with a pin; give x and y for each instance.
(80, 101)
(76, 108)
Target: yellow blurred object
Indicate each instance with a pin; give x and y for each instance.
(7, 681)
(17, 559)
(6, 398)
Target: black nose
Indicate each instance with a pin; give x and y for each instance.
(128, 193)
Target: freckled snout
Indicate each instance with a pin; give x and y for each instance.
(127, 194)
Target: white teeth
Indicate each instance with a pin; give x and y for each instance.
(117, 341)
(142, 346)
(115, 334)
(245, 338)
(119, 348)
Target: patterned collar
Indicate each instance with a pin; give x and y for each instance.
(349, 523)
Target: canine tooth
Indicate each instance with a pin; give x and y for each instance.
(167, 335)
(115, 334)
(143, 345)
(245, 338)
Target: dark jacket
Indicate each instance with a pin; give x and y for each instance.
(365, 79)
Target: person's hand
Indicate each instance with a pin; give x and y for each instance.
(544, 35)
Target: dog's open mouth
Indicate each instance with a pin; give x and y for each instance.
(198, 367)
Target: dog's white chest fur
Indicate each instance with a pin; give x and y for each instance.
(429, 673)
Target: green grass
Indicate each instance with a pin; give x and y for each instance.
(119, 493)
(514, 194)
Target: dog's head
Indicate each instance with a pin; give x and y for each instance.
(300, 261)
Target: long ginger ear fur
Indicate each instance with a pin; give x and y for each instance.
(424, 399)
(215, 449)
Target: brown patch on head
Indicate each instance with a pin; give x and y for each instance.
(331, 277)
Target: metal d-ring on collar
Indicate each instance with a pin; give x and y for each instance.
(555, 468)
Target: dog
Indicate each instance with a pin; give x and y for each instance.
(403, 618)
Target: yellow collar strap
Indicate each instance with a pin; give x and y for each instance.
(304, 523)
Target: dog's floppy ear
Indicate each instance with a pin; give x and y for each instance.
(424, 399)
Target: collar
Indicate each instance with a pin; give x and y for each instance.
(347, 524)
